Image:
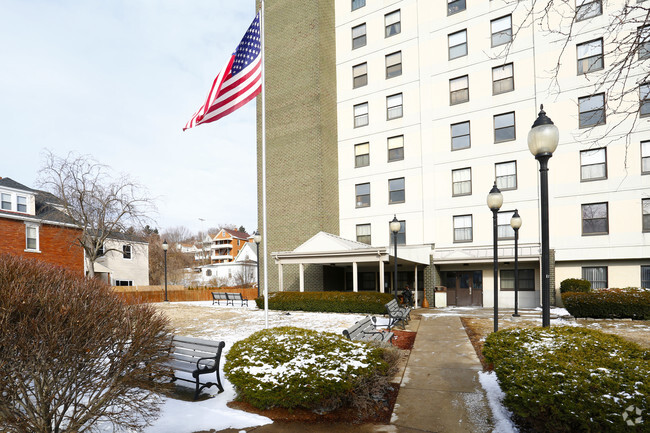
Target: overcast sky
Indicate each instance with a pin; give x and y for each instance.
(118, 80)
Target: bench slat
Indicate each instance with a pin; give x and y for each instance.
(178, 340)
(192, 353)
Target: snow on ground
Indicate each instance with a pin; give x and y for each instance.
(501, 415)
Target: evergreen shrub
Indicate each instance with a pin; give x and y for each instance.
(575, 285)
(331, 302)
(629, 302)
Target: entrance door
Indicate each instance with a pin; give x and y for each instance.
(465, 288)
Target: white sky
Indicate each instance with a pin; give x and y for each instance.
(118, 80)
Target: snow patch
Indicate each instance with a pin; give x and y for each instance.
(502, 416)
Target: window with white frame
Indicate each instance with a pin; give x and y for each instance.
(362, 192)
(123, 282)
(6, 201)
(361, 115)
(396, 191)
(401, 234)
(504, 127)
(461, 181)
(100, 250)
(645, 214)
(395, 148)
(459, 90)
(21, 202)
(506, 175)
(393, 23)
(645, 157)
(590, 56)
(455, 6)
(126, 252)
(363, 233)
(644, 99)
(595, 218)
(457, 44)
(394, 65)
(460, 137)
(394, 108)
(503, 79)
(359, 36)
(596, 275)
(593, 164)
(31, 237)
(588, 9)
(526, 280)
(504, 229)
(645, 277)
(362, 155)
(644, 42)
(359, 75)
(501, 30)
(463, 228)
(356, 4)
(591, 110)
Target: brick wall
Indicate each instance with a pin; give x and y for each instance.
(57, 244)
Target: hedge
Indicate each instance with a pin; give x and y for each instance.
(629, 302)
(331, 302)
(575, 285)
(569, 379)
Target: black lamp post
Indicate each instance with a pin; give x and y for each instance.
(258, 238)
(515, 223)
(395, 225)
(543, 139)
(165, 246)
(494, 202)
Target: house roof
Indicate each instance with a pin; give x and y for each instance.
(45, 204)
(237, 234)
(10, 183)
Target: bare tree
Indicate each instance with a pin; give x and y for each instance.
(98, 204)
(245, 276)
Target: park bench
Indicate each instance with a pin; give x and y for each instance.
(366, 330)
(397, 314)
(198, 357)
(219, 296)
(232, 297)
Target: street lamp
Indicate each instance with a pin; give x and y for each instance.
(543, 139)
(515, 223)
(395, 225)
(165, 247)
(258, 238)
(494, 202)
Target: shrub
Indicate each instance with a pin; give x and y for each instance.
(297, 368)
(575, 285)
(332, 302)
(567, 379)
(630, 302)
(72, 354)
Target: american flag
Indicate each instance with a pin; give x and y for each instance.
(237, 83)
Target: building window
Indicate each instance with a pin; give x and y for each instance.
(588, 9)
(455, 6)
(457, 44)
(359, 36)
(393, 23)
(645, 277)
(361, 115)
(645, 157)
(526, 280)
(21, 201)
(506, 175)
(123, 282)
(356, 4)
(363, 233)
(126, 252)
(362, 155)
(460, 136)
(394, 65)
(596, 275)
(461, 182)
(459, 90)
(463, 228)
(504, 127)
(394, 109)
(592, 110)
(6, 201)
(396, 148)
(595, 219)
(100, 250)
(644, 42)
(503, 79)
(31, 237)
(645, 206)
(401, 234)
(359, 75)
(504, 230)
(396, 191)
(501, 30)
(644, 99)
(590, 56)
(208, 273)
(362, 191)
(593, 164)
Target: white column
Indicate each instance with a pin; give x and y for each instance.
(355, 273)
(381, 276)
(280, 277)
(415, 285)
(302, 277)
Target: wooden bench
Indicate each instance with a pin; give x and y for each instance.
(196, 356)
(366, 330)
(232, 297)
(219, 296)
(397, 314)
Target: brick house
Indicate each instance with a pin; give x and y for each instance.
(32, 226)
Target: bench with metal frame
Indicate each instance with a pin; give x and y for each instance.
(219, 296)
(366, 330)
(397, 314)
(198, 357)
(232, 297)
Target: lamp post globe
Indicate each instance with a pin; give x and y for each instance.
(515, 223)
(165, 247)
(257, 237)
(494, 202)
(395, 226)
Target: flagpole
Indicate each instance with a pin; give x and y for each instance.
(266, 233)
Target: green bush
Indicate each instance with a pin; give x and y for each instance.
(297, 368)
(568, 379)
(331, 302)
(629, 302)
(575, 285)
